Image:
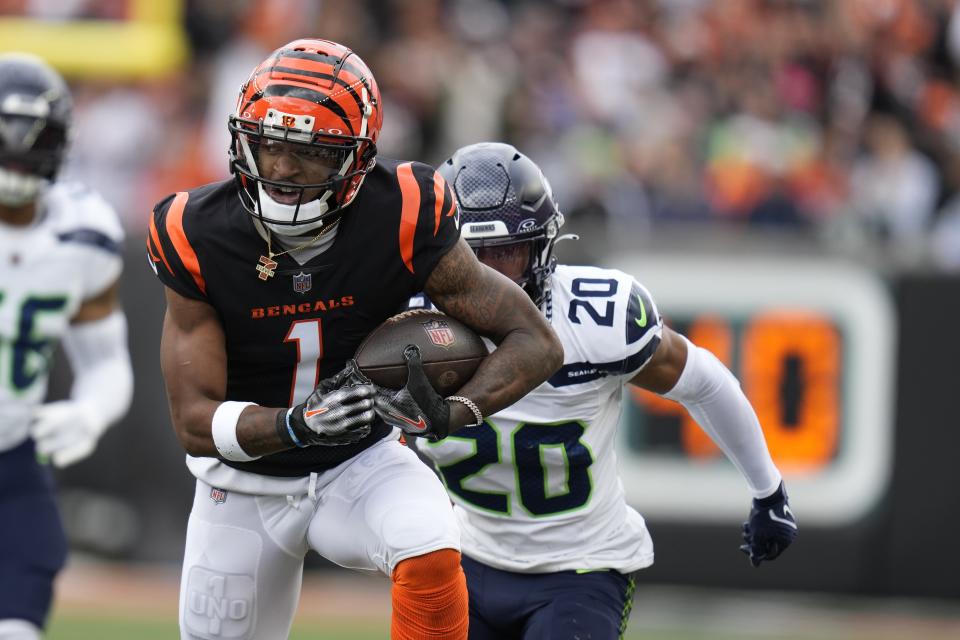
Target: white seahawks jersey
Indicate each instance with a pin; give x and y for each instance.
(70, 253)
(535, 487)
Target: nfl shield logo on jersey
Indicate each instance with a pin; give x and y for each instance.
(439, 332)
(218, 495)
(302, 282)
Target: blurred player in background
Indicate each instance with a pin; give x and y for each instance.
(59, 269)
(549, 543)
(272, 281)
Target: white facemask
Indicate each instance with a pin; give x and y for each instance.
(270, 209)
(309, 212)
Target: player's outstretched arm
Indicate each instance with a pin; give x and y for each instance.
(693, 376)
(528, 351)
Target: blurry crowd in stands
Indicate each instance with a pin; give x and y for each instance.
(832, 121)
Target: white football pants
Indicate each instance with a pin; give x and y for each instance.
(18, 630)
(243, 561)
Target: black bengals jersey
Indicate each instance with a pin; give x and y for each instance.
(286, 332)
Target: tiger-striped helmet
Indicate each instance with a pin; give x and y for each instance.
(319, 100)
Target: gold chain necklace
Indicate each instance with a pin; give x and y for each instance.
(266, 265)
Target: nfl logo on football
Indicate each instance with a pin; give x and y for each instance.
(302, 282)
(218, 495)
(439, 332)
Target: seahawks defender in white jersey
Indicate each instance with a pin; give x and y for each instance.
(60, 257)
(549, 542)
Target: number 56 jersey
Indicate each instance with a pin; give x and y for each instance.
(68, 254)
(535, 487)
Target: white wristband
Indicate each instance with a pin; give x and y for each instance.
(224, 431)
(469, 404)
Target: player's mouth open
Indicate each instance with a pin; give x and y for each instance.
(284, 195)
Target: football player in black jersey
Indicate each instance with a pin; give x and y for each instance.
(272, 280)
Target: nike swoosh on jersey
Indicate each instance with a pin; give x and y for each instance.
(785, 521)
(642, 320)
(419, 424)
(315, 412)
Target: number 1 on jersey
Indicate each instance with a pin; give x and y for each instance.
(308, 336)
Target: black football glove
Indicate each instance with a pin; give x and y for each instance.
(416, 408)
(339, 411)
(770, 529)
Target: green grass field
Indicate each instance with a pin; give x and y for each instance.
(116, 602)
(92, 627)
(75, 626)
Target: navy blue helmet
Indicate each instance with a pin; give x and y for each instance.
(35, 111)
(505, 200)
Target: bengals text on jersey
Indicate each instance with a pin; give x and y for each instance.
(287, 331)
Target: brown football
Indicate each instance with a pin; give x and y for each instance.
(450, 350)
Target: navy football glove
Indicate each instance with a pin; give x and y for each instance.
(416, 408)
(770, 529)
(339, 411)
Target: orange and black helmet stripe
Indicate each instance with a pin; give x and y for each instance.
(338, 62)
(304, 70)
